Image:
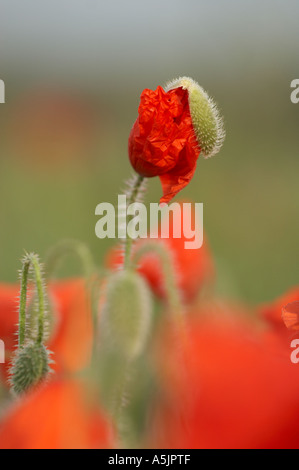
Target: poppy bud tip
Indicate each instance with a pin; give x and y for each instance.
(206, 120)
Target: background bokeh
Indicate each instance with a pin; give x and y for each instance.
(74, 71)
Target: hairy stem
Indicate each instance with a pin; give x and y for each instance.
(23, 301)
(64, 248)
(31, 260)
(133, 195)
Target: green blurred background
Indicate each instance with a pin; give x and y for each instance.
(74, 72)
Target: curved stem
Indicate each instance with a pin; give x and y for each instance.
(133, 195)
(95, 293)
(23, 301)
(41, 301)
(31, 260)
(65, 247)
(119, 405)
(82, 252)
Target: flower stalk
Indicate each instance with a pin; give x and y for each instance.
(73, 247)
(31, 260)
(134, 193)
(32, 360)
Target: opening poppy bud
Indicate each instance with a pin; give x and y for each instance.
(206, 120)
(126, 314)
(173, 127)
(30, 366)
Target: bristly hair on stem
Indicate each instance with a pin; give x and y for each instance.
(31, 362)
(134, 191)
(31, 265)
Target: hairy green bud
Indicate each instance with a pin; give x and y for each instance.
(127, 313)
(30, 366)
(206, 120)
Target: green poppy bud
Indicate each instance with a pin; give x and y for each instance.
(30, 366)
(206, 119)
(127, 313)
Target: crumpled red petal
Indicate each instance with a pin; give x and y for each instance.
(162, 141)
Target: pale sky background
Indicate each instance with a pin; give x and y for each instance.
(96, 40)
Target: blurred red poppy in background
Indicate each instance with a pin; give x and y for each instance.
(162, 141)
(71, 326)
(71, 339)
(224, 385)
(9, 294)
(51, 127)
(272, 311)
(57, 415)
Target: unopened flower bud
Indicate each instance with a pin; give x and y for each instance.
(206, 120)
(30, 366)
(126, 314)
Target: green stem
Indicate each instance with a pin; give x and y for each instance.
(118, 411)
(41, 300)
(132, 196)
(31, 260)
(82, 252)
(95, 292)
(23, 301)
(64, 248)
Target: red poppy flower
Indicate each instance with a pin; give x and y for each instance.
(172, 128)
(193, 268)
(224, 385)
(57, 415)
(9, 294)
(71, 339)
